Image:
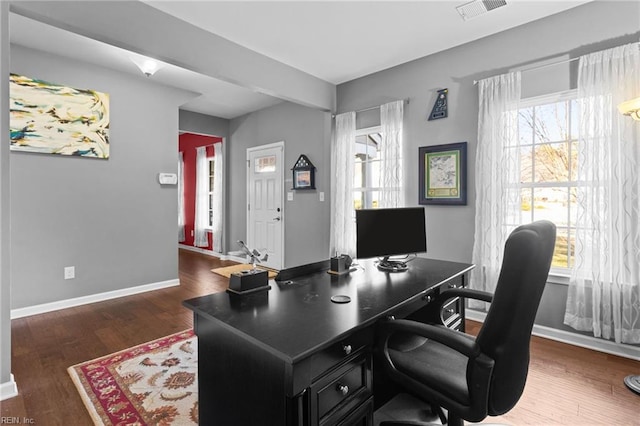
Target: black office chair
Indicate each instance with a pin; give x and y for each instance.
(472, 378)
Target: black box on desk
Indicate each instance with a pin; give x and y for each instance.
(249, 281)
(340, 264)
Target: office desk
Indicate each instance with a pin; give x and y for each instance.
(290, 356)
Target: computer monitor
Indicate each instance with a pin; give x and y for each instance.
(390, 232)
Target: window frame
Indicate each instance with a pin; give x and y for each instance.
(557, 275)
(365, 189)
(211, 173)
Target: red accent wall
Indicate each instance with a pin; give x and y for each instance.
(188, 142)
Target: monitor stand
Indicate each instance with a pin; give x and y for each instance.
(387, 265)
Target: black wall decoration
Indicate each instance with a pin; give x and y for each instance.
(440, 107)
(304, 174)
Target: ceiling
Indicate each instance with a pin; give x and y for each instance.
(336, 41)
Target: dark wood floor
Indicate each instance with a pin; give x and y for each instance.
(566, 385)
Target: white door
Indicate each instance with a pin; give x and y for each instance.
(265, 207)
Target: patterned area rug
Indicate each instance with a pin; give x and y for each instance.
(155, 383)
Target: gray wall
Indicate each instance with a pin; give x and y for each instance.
(304, 131)
(108, 218)
(202, 124)
(591, 27)
(5, 247)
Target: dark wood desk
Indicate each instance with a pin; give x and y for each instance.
(290, 356)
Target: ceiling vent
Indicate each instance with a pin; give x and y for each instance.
(478, 7)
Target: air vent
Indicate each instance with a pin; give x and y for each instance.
(478, 7)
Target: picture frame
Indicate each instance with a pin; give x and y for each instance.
(304, 174)
(302, 179)
(443, 174)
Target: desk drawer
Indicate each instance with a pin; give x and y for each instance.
(451, 312)
(343, 390)
(338, 352)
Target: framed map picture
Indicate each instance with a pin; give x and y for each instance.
(443, 174)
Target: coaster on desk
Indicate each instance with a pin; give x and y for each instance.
(340, 298)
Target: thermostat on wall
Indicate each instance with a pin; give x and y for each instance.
(168, 178)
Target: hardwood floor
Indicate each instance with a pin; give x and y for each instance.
(566, 385)
(45, 345)
(569, 385)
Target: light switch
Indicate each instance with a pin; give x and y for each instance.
(321, 196)
(289, 196)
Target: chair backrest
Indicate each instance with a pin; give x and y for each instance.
(506, 331)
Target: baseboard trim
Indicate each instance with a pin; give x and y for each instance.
(201, 250)
(84, 300)
(588, 342)
(8, 389)
(211, 253)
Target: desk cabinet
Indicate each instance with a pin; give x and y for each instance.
(291, 357)
(342, 390)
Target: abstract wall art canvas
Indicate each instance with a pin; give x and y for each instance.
(55, 119)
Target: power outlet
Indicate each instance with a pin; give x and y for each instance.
(69, 272)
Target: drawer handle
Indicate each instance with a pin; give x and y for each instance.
(347, 349)
(427, 298)
(343, 389)
(450, 311)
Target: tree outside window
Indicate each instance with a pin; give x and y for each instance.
(548, 161)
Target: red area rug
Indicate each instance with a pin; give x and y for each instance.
(155, 383)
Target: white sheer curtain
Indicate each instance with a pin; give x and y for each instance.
(343, 238)
(604, 289)
(497, 177)
(218, 185)
(202, 198)
(181, 218)
(392, 194)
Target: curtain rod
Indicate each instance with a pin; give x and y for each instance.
(406, 100)
(537, 67)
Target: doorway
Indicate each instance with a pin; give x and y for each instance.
(265, 203)
(187, 144)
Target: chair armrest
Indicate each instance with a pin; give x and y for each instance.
(456, 340)
(466, 293)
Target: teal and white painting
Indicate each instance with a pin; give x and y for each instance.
(54, 119)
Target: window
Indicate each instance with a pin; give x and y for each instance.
(548, 131)
(211, 174)
(366, 175)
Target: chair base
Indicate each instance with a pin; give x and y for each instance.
(633, 383)
(406, 409)
(452, 422)
(438, 414)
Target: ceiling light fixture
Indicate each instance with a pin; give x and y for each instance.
(146, 65)
(631, 108)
